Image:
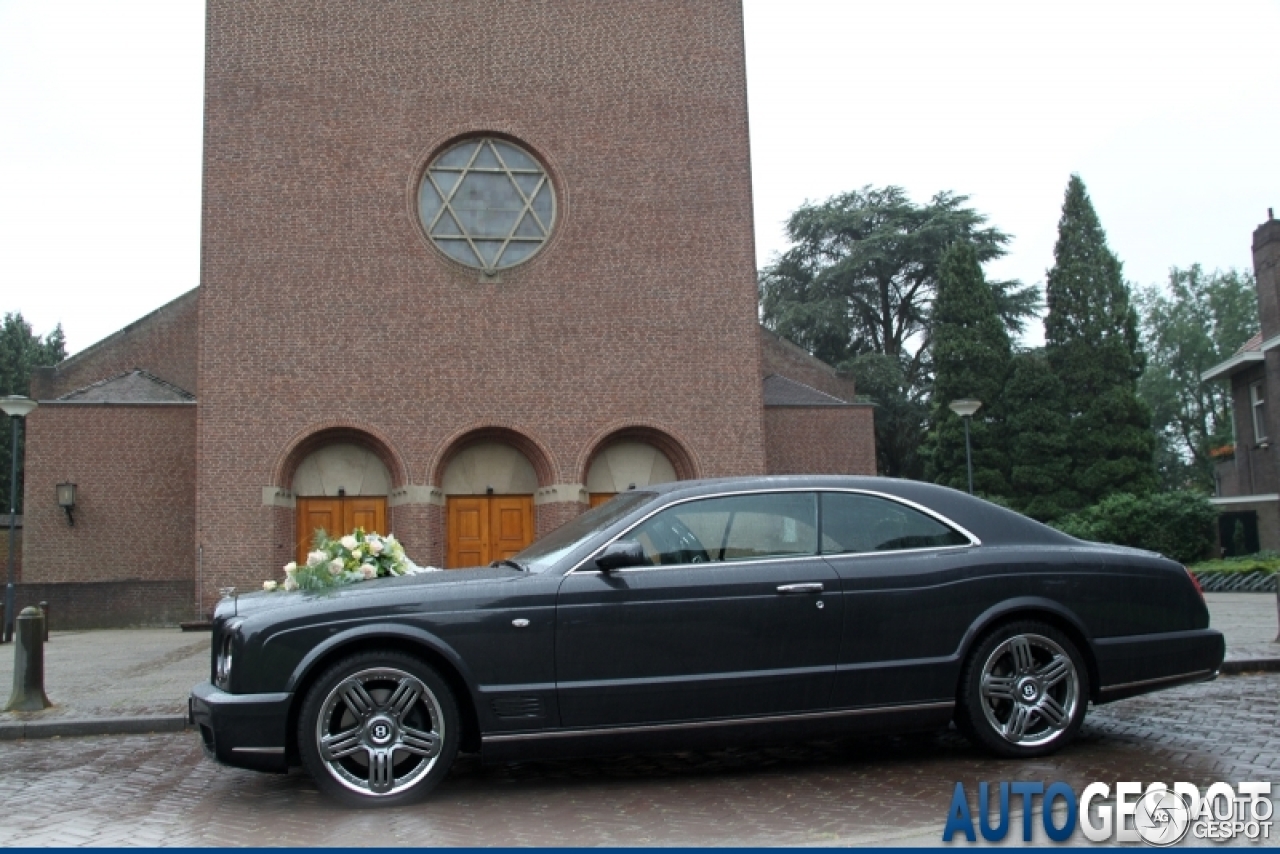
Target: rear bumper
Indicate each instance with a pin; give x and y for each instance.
(243, 730)
(1130, 666)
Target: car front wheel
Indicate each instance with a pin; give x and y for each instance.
(1024, 691)
(378, 729)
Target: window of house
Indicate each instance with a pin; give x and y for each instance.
(739, 527)
(1258, 403)
(854, 523)
(487, 203)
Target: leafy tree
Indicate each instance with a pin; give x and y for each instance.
(971, 354)
(1194, 322)
(1038, 440)
(1091, 342)
(20, 351)
(860, 279)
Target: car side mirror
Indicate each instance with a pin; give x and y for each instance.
(620, 555)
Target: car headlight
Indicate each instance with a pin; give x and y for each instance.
(226, 646)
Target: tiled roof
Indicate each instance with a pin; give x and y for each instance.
(781, 391)
(136, 386)
(1254, 343)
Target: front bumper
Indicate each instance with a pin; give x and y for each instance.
(243, 730)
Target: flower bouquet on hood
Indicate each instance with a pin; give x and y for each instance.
(356, 557)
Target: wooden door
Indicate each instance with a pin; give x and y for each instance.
(510, 524)
(368, 512)
(485, 528)
(338, 516)
(468, 532)
(598, 498)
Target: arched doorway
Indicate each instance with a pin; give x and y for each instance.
(488, 488)
(339, 488)
(626, 464)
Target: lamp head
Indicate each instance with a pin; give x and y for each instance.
(17, 406)
(965, 407)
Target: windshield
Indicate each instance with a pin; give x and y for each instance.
(548, 551)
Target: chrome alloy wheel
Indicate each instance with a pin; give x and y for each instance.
(1029, 690)
(380, 731)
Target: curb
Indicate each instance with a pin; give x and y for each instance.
(72, 727)
(1250, 665)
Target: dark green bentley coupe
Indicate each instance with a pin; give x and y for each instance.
(700, 613)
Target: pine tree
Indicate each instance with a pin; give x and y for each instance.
(971, 355)
(1091, 343)
(1038, 440)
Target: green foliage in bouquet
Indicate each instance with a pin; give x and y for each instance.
(355, 557)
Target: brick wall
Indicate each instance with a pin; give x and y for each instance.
(321, 298)
(163, 343)
(134, 469)
(820, 439)
(110, 604)
(4, 547)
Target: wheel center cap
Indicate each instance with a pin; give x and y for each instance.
(380, 731)
(1028, 691)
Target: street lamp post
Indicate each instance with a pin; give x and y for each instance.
(16, 407)
(965, 408)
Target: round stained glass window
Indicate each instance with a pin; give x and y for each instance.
(487, 203)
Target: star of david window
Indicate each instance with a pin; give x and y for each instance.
(487, 203)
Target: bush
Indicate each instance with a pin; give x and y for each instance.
(1179, 525)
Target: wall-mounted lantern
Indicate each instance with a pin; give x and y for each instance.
(67, 500)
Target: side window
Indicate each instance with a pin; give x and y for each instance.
(853, 523)
(741, 527)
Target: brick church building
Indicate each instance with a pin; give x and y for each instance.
(467, 268)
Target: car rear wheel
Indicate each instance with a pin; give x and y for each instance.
(378, 729)
(1024, 691)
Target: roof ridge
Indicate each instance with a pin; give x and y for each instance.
(181, 392)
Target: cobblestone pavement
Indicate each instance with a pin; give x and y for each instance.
(1249, 621)
(158, 790)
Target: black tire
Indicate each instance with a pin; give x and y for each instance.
(1024, 691)
(378, 729)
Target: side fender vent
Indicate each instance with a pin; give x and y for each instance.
(517, 707)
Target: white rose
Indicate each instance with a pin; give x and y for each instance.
(348, 542)
(290, 584)
(357, 554)
(290, 568)
(375, 547)
(268, 586)
(316, 558)
(369, 571)
(335, 566)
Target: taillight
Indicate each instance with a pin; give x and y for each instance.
(1196, 582)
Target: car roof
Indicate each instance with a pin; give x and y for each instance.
(990, 523)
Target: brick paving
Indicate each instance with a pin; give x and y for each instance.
(158, 790)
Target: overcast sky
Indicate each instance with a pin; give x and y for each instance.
(1168, 110)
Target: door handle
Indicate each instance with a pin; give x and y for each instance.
(811, 587)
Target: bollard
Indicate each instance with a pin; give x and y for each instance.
(28, 664)
(44, 611)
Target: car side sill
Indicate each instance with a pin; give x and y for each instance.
(722, 722)
(1142, 686)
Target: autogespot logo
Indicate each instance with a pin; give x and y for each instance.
(1156, 814)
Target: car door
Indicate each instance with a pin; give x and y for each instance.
(732, 615)
(904, 580)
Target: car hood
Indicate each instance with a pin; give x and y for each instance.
(261, 601)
